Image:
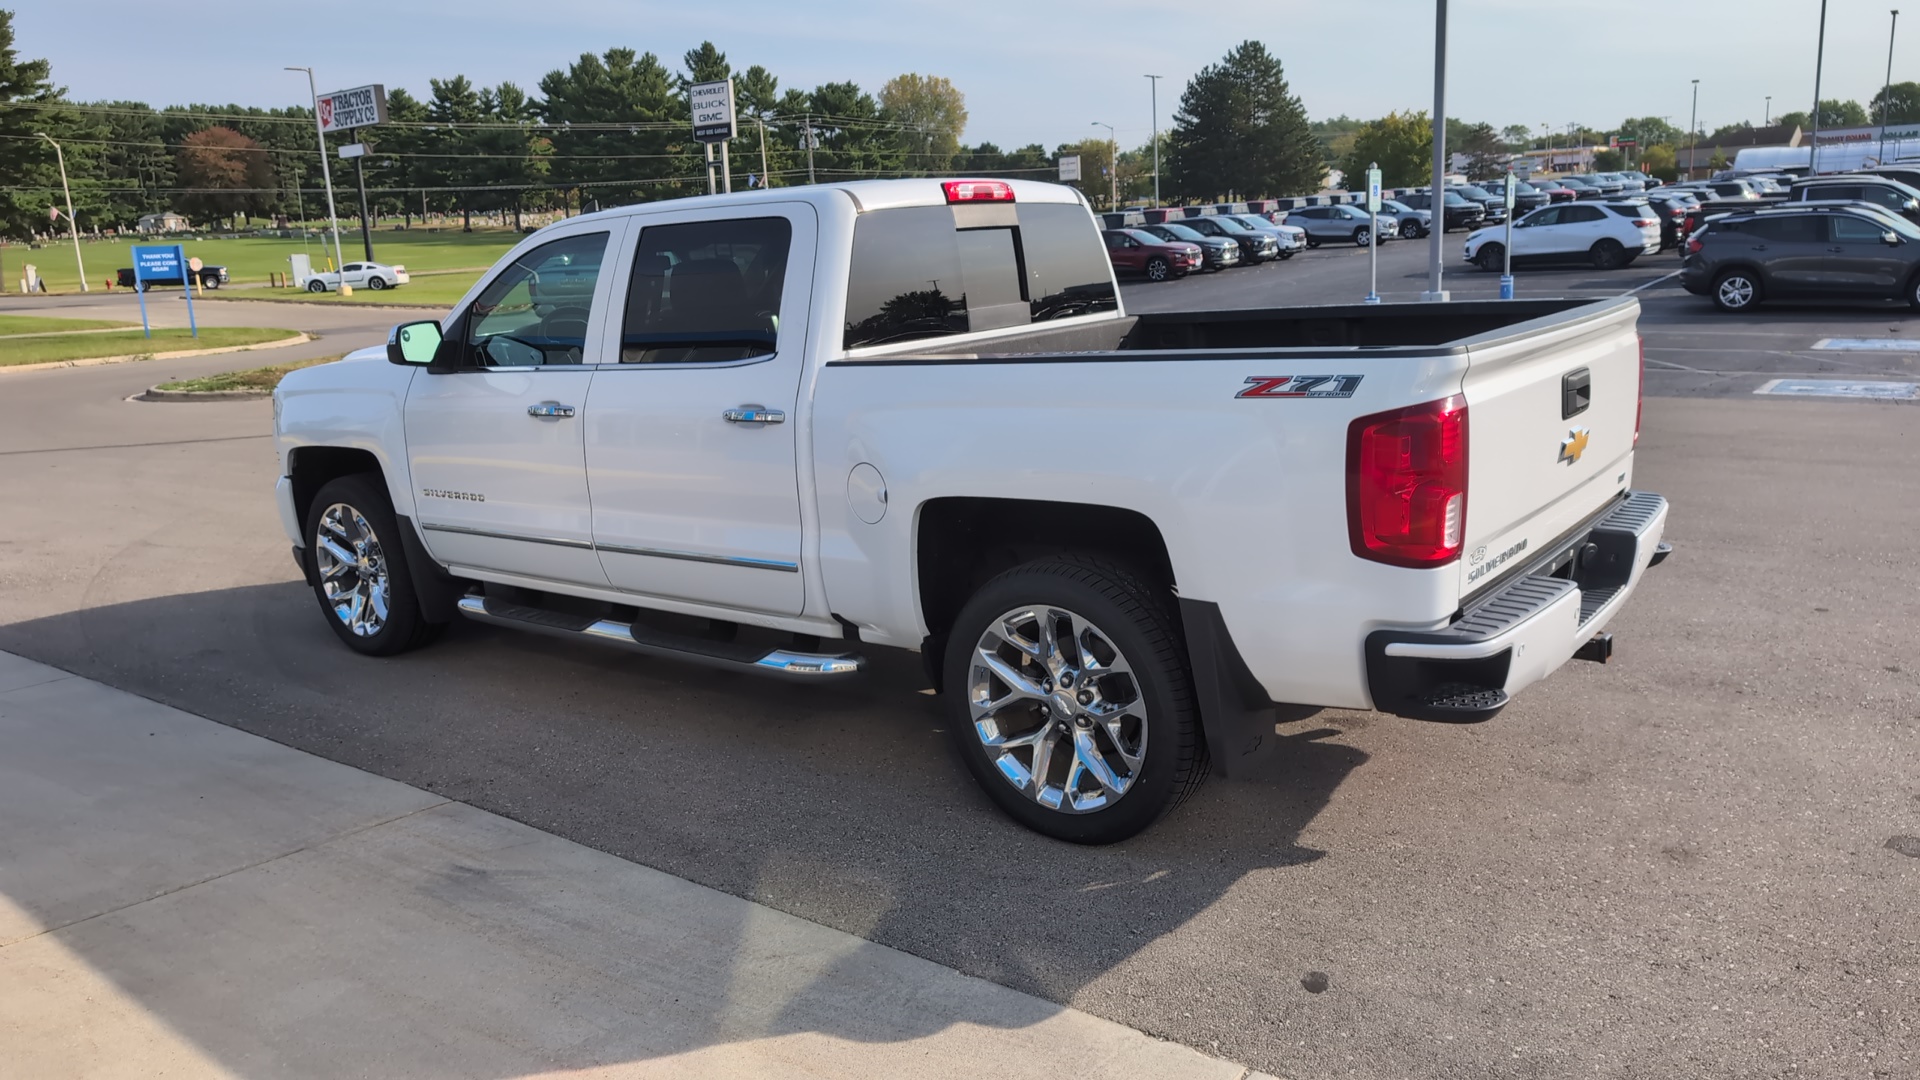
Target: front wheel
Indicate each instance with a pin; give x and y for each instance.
(1736, 290)
(1312, 243)
(316, 285)
(1490, 256)
(1286, 255)
(1608, 255)
(376, 283)
(1157, 269)
(1363, 236)
(360, 573)
(1070, 699)
(1409, 231)
(1913, 293)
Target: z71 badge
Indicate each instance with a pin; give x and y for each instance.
(1300, 386)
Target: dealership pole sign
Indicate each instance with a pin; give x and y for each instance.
(344, 110)
(712, 111)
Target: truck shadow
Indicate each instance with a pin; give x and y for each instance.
(843, 805)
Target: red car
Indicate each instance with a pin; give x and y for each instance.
(1136, 251)
(1554, 191)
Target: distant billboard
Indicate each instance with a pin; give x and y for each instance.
(344, 110)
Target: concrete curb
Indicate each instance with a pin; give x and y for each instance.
(154, 393)
(95, 361)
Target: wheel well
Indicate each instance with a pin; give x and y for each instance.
(313, 467)
(965, 541)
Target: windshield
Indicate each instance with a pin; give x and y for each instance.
(1472, 192)
(1179, 232)
(1454, 198)
(1231, 225)
(1395, 205)
(1244, 221)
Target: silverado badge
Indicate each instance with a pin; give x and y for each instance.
(1574, 445)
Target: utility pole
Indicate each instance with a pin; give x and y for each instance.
(806, 125)
(1439, 201)
(326, 173)
(766, 178)
(1767, 119)
(73, 226)
(1693, 131)
(1819, 58)
(1154, 81)
(1886, 96)
(1113, 167)
(360, 177)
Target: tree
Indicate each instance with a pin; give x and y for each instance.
(1833, 114)
(1905, 99)
(223, 173)
(1648, 130)
(1658, 160)
(1516, 136)
(1609, 161)
(29, 180)
(1718, 161)
(622, 118)
(1485, 159)
(1336, 136)
(1402, 144)
(1240, 129)
(932, 115)
(855, 140)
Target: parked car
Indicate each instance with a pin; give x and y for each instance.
(1408, 223)
(1744, 259)
(1458, 211)
(1137, 251)
(1892, 194)
(1605, 186)
(818, 421)
(1727, 189)
(1525, 196)
(1671, 208)
(1256, 246)
(1290, 239)
(1599, 234)
(1629, 182)
(1494, 205)
(211, 277)
(1343, 224)
(1555, 191)
(1647, 183)
(1216, 252)
(1582, 187)
(1908, 176)
(360, 275)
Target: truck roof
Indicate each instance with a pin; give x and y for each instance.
(865, 195)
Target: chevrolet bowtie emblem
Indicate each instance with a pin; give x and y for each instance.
(1574, 445)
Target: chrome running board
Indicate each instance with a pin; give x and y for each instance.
(758, 660)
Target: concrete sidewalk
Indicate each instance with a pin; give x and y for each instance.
(181, 898)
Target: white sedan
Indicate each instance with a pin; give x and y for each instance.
(360, 275)
(1608, 235)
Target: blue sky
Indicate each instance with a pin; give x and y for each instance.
(1031, 73)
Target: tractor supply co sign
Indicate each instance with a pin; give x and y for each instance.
(344, 110)
(712, 110)
(1069, 167)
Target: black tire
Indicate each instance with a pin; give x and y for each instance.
(316, 285)
(1312, 243)
(1363, 236)
(1490, 256)
(1913, 292)
(1607, 255)
(1137, 619)
(404, 626)
(376, 283)
(1158, 269)
(1736, 290)
(1288, 254)
(210, 283)
(1409, 230)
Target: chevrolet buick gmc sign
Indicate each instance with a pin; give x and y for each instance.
(712, 110)
(344, 110)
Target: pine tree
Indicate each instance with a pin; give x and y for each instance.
(1240, 129)
(29, 180)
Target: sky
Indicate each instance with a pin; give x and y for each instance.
(1043, 73)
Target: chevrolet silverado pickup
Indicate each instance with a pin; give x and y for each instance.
(773, 431)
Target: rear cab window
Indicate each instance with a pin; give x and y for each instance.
(931, 271)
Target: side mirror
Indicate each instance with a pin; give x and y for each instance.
(1891, 239)
(414, 343)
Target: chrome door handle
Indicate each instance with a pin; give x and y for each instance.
(754, 414)
(549, 408)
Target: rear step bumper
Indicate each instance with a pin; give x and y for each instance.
(1468, 672)
(759, 660)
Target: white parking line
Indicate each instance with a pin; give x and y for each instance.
(1655, 281)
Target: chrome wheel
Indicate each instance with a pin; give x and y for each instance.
(1736, 291)
(1362, 237)
(1057, 709)
(1156, 270)
(353, 570)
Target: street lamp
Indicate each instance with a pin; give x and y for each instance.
(1886, 96)
(1113, 167)
(333, 218)
(1154, 81)
(1434, 254)
(1693, 131)
(1819, 57)
(73, 227)
(1766, 119)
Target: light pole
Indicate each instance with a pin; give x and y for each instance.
(333, 218)
(1113, 167)
(1154, 81)
(1886, 96)
(73, 226)
(1693, 130)
(1819, 57)
(1439, 197)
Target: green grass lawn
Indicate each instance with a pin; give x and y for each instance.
(130, 343)
(437, 291)
(249, 260)
(260, 378)
(39, 324)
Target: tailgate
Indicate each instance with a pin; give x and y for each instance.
(1543, 456)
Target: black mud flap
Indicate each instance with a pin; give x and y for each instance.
(439, 591)
(1237, 717)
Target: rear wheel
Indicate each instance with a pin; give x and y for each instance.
(1913, 293)
(1490, 256)
(210, 283)
(1070, 699)
(1736, 290)
(1158, 269)
(1607, 255)
(376, 283)
(1312, 243)
(360, 572)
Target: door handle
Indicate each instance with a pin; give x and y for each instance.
(1836, 249)
(549, 408)
(754, 414)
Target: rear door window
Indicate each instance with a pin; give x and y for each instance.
(1799, 229)
(706, 291)
(1574, 215)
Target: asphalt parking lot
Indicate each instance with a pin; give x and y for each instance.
(1697, 861)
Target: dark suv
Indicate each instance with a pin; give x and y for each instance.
(1461, 212)
(1892, 194)
(1840, 253)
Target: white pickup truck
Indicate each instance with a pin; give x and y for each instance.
(769, 431)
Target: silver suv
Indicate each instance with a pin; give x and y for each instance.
(1345, 224)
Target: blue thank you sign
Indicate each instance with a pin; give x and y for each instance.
(160, 263)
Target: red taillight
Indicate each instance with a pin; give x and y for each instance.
(978, 191)
(1407, 484)
(1694, 245)
(1646, 221)
(1640, 405)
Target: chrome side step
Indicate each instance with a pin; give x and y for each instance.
(779, 663)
